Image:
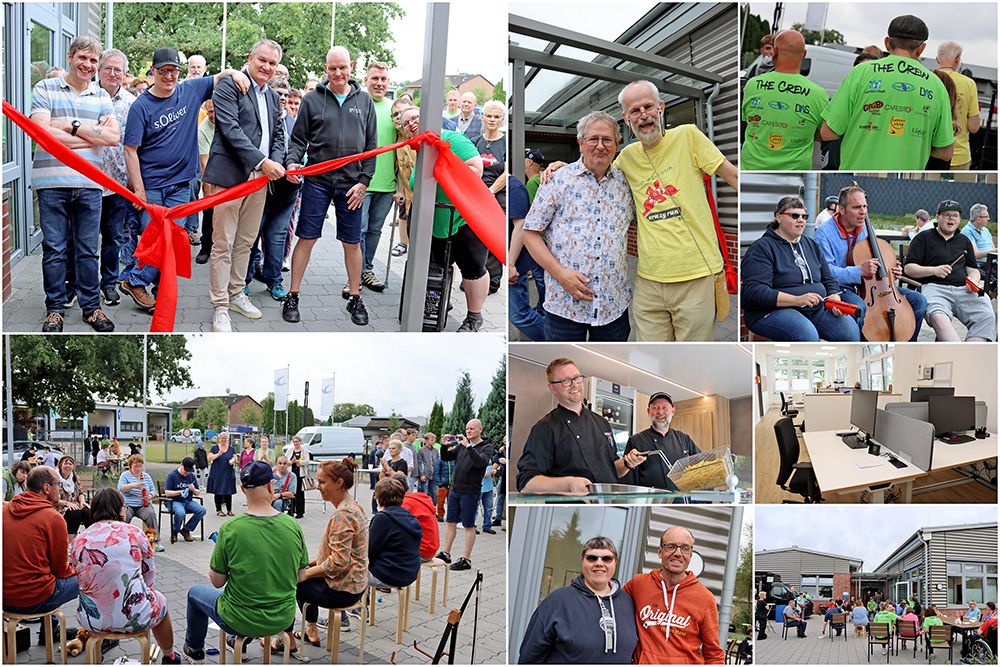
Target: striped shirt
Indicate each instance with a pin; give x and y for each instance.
(60, 101)
(343, 553)
(133, 498)
(114, 156)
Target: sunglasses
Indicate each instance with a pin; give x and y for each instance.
(797, 216)
(593, 558)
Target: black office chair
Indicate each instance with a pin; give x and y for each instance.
(793, 476)
(788, 411)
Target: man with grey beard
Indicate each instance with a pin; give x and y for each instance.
(659, 437)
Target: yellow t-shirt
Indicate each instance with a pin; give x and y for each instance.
(668, 198)
(968, 106)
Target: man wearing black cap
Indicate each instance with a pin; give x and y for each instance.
(182, 485)
(942, 260)
(893, 113)
(533, 160)
(659, 436)
(161, 148)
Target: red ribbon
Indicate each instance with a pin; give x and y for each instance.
(842, 306)
(166, 246)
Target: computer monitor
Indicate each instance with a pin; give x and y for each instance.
(921, 394)
(864, 403)
(952, 415)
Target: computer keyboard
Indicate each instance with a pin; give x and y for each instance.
(956, 439)
(852, 441)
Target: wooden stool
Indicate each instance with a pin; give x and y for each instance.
(433, 564)
(93, 648)
(333, 630)
(241, 643)
(12, 630)
(403, 619)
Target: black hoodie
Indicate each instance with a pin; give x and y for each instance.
(470, 464)
(329, 131)
(566, 628)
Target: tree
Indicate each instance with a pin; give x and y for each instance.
(742, 604)
(267, 415)
(393, 421)
(294, 417)
(435, 423)
(498, 92)
(812, 36)
(250, 415)
(494, 411)
(69, 374)
(345, 411)
(753, 29)
(482, 94)
(461, 410)
(213, 414)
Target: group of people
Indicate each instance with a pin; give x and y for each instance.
(788, 278)
(204, 134)
(573, 222)
(890, 111)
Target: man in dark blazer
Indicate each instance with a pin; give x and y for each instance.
(249, 143)
(468, 122)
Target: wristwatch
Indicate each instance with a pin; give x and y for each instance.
(76, 126)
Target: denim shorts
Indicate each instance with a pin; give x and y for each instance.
(316, 200)
(463, 506)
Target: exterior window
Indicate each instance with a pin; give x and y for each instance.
(818, 585)
(970, 581)
(131, 427)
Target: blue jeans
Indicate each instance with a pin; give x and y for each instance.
(131, 229)
(791, 324)
(70, 218)
(273, 227)
(281, 504)
(487, 502)
(916, 300)
(530, 321)
(182, 507)
(203, 605)
(172, 195)
(561, 329)
(190, 223)
(66, 589)
(429, 487)
(501, 500)
(373, 213)
(112, 218)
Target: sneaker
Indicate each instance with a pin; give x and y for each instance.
(99, 321)
(220, 321)
(110, 295)
(108, 645)
(53, 323)
(356, 307)
(139, 295)
(277, 292)
(193, 238)
(496, 522)
(322, 621)
(70, 298)
(194, 656)
(202, 257)
(440, 519)
(231, 643)
(489, 531)
(159, 547)
(472, 322)
(242, 305)
(345, 624)
(286, 264)
(290, 307)
(444, 555)
(462, 563)
(175, 659)
(346, 292)
(371, 281)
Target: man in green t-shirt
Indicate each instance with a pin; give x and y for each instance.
(783, 111)
(452, 101)
(260, 557)
(892, 113)
(533, 160)
(379, 195)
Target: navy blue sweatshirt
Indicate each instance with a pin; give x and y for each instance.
(567, 628)
(394, 546)
(769, 266)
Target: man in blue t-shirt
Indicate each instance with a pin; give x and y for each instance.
(161, 148)
(182, 486)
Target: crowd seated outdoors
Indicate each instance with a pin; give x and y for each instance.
(260, 568)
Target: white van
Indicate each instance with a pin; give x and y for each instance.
(825, 67)
(332, 442)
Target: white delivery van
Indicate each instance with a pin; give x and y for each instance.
(825, 67)
(331, 442)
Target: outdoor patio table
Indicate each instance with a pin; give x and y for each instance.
(967, 630)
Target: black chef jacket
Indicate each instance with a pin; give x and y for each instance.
(653, 471)
(565, 444)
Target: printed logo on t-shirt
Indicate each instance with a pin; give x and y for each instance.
(875, 85)
(874, 107)
(657, 194)
(489, 160)
(755, 101)
(774, 142)
(897, 126)
(903, 87)
(780, 106)
(650, 616)
(870, 127)
(753, 119)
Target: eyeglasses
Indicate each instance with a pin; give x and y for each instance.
(567, 382)
(412, 120)
(648, 109)
(593, 558)
(113, 70)
(670, 548)
(797, 216)
(168, 72)
(593, 141)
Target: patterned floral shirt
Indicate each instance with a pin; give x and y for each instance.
(585, 222)
(343, 553)
(114, 567)
(114, 156)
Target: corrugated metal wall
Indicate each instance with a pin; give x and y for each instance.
(791, 564)
(936, 572)
(710, 527)
(974, 544)
(93, 19)
(760, 193)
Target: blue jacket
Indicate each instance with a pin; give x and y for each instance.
(834, 247)
(394, 546)
(442, 473)
(769, 267)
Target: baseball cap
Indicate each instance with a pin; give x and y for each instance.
(908, 26)
(255, 474)
(188, 464)
(660, 394)
(949, 205)
(535, 156)
(164, 56)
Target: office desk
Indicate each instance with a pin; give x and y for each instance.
(953, 456)
(834, 465)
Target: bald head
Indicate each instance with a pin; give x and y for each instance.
(789, 50)
(338, 70)
(677, 533)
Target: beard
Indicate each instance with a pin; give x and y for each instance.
(654, 131)
(662, 423)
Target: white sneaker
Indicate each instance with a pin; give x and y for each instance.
(220, 321)
(242, 305)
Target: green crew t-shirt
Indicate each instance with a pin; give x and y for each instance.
(464, 149)
(891, 112)
(262, 557)
(782, 112)
(384, 179)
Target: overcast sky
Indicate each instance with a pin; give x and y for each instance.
(869, 532)
(405, 371)
(973, 25)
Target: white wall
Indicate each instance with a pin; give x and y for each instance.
(974, 371)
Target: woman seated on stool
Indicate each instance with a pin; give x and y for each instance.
(394, 538)
(785, 280)
(114, 567)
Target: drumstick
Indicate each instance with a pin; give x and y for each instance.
(958, 258)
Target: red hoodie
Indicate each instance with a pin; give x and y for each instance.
(674, 627)
(35, 550)
(420, 506)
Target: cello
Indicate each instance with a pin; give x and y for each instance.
(889, 316)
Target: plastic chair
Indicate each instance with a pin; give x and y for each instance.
(434, 564)
(47, 615)
(93, 647)
(333, 629)
(403, 619)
